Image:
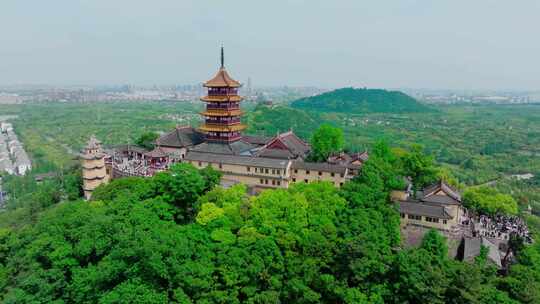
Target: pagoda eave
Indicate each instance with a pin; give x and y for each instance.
(223, 85)
(222, 128)
(225, 113)
(232, 98)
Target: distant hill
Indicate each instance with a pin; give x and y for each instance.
(350, 100)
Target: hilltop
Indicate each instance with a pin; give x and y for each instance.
(351, 100)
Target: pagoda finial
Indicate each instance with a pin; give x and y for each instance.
(222, 57)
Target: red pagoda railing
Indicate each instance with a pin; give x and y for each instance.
(221, 106)
(222, 91)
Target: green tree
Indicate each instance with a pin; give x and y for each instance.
(325, 140)
(181, 186)
(488, 200)
(211, 177)
(419, 166)
(147, 140)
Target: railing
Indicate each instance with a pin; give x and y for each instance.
(222, 91)
(230, 121)
(226, 106)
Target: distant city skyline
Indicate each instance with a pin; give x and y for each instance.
(459, 44)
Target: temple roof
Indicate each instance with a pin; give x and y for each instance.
(222, 80)
(287, 141)
(234, 148)
(276, 153)
(156, 153)
(238, 160)
(180, 137)
(256, 140)
(440, 193)
(417, 208)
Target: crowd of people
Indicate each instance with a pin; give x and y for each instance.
(501, 227)
(133, 167)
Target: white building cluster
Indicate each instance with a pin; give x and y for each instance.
(13, 157)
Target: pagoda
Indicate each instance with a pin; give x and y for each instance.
(94, 172)
(222, 115)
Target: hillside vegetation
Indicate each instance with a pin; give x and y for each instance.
(351, 100)
(179, 238)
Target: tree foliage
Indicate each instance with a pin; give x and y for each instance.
(177, 238)
(487, 200)
(326, 140)
(146, 140)
(351, 100)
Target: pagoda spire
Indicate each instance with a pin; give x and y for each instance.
(222, 57)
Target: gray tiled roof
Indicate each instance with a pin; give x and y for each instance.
(234, 148)
(325, 167)
(128, 148)
(295, 144)
(180, 137)
(276, 153)
(417, 208)
(256, 140)
(237, 160)
(444, 187)
(440, 200)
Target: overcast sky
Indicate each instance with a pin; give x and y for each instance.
(457, 44)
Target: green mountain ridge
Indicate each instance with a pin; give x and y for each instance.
(351, 100)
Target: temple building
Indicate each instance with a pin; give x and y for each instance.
(438, 206)
(94, 172)
(260, 162)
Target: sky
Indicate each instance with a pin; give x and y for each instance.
(439, 44)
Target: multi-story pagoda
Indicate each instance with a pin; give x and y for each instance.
(222, 114)
(94, 172)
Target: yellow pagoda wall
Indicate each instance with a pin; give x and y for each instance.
(89, 175)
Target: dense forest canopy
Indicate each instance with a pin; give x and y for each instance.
(177, 237)
(351, 100)
(183, 240)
